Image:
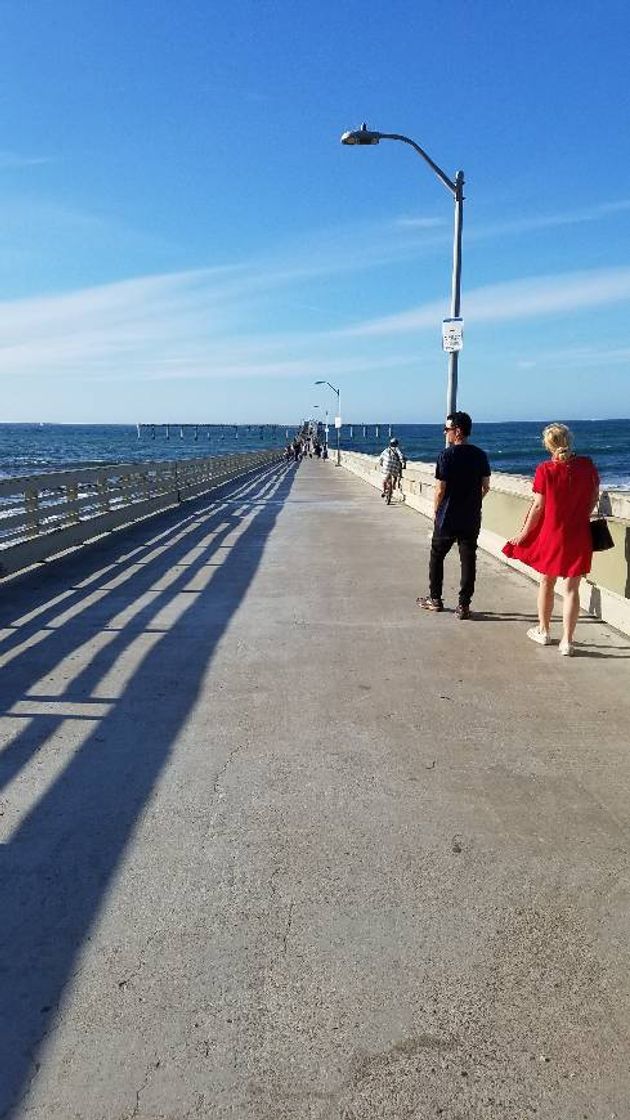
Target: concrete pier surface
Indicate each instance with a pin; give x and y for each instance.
(277, 845)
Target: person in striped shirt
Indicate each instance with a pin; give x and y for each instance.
(392, 463)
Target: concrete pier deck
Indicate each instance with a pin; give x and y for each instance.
(275, 845)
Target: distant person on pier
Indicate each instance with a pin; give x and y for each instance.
(556, 538)
(392, 463)
(462, 480)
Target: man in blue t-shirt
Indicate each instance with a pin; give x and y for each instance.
(462, 476)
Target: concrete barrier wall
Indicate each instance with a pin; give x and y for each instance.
(605, 593)
(42, 515)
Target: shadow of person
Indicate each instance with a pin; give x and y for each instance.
(500, 616)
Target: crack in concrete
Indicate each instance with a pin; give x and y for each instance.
(216, 787)
(124, 983)
(272, 879)
(136, 1108)
(287, 928)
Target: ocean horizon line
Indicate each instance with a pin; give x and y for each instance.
(294, 423)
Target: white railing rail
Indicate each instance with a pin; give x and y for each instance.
(47, 513)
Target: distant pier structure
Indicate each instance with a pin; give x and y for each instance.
(219, 438)
(214, 433)
(364, 431)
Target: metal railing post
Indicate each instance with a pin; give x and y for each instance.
(72, 509)
(31, 509)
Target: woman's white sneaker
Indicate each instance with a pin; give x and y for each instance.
(565, 648)
(538, 635)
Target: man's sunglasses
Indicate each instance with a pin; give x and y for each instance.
(451, 429)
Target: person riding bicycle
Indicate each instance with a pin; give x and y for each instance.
(392, 462)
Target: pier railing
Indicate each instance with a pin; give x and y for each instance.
(43, 514)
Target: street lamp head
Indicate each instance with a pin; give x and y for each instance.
(361, 136)
(329, 386)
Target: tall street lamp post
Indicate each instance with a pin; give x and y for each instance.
(338, 416)
(364, 136)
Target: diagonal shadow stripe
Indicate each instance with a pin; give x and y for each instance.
(37, 733)
(55, 872)
(34, 661)
(31, 591)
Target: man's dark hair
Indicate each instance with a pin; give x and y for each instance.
(462, 421)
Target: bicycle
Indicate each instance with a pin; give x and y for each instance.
(388, 487)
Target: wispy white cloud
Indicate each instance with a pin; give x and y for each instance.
(15, 160)
(530, 223)
(168, 327)
(420, 223)
(42, 230)
(535, 297)
(203, 324)
(480, 230)
(580, 357)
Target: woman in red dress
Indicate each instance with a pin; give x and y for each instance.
(556, 539)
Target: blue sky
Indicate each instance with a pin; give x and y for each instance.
(185, 239)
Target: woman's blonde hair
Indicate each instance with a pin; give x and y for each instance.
(558, 439)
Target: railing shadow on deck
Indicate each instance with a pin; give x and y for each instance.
(57, 863)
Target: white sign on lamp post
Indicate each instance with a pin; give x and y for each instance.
(452, 335)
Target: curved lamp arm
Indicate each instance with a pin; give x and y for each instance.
(329, 386)
(366, 136)
(442, 176)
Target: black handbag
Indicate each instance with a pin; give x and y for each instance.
(600, 535)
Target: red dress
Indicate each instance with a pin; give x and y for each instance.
(560, 544)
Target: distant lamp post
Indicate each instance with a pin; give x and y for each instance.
(364, 136)
(337, 417)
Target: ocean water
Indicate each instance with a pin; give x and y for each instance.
(36, 448)
(513, 447)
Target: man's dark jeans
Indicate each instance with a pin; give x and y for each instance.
(441, 545)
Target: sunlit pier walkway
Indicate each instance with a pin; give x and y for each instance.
(276, 846)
